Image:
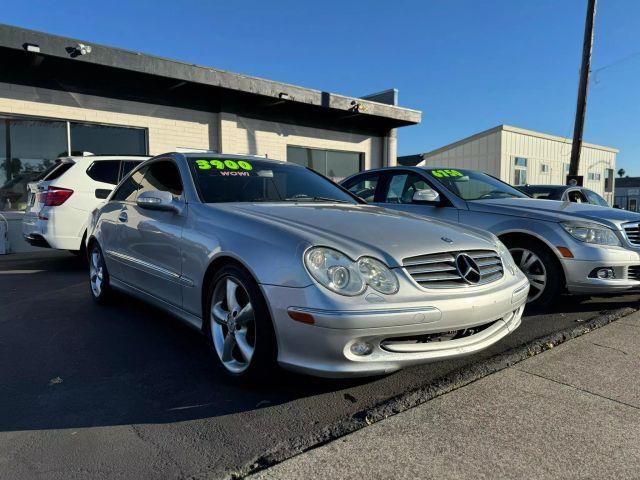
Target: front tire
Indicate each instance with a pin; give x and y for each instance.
(541, 268)
(239, 327)
(98, 276)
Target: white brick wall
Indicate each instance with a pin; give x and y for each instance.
(243, 135)
(168, 127)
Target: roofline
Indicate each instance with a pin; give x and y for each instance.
(533, 133)
(510, 128)
(57, 46)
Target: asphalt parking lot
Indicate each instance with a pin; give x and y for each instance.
(126, 390)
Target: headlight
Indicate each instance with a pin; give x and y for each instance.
(342, 275)
(377, 275)
(507, 259)
(591, 233)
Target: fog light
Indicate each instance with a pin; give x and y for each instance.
(605, 273)
(361, 348)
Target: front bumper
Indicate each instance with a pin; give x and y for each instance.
(324, 348)
(579, 277)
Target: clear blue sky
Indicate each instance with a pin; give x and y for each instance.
(467, 64)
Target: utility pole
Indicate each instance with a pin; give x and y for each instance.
(582, 90)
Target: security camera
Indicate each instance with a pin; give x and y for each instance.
(83, 49)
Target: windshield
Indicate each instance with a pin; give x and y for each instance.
(222, 180)
(472, 185)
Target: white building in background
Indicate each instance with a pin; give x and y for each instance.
(518, 156)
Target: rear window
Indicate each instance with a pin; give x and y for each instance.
(58, 170)
(105, 171)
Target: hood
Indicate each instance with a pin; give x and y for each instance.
(359, 230)
(554, 211)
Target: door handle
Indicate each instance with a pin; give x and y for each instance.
(123, 217)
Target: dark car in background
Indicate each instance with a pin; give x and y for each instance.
(564, 193)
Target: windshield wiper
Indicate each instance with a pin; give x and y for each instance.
(296, 198)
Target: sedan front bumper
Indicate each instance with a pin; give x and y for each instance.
(624, 263)
(396, 336)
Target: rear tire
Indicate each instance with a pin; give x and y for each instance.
(238, 326)
(541, 268)
(98, 276)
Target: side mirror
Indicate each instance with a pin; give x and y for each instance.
(158, 200)
(426, 196)
(102, 193)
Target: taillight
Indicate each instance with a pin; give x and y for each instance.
(55, 196)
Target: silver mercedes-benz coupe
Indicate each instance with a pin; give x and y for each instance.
(277, 265)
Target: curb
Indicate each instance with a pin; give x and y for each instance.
(413, 398)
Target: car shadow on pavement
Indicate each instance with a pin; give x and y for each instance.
(68, 363)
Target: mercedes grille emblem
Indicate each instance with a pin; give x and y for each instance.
(468, 268)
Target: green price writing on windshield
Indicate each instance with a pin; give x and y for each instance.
(446, 173)
(223, 165)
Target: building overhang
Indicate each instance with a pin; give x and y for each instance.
(50, 61)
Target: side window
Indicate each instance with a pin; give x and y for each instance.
(595, 199)
(364, 186)
(395, 188)
(105, 171)
(403, 186)
(127, 191)
(164, 176)
(127, 166)
(576, 196)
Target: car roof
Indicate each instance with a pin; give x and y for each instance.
(93, 158)
(548, 187)
(230, 156)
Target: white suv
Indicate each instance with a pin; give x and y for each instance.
(58, 206)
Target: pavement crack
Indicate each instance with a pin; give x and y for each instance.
(579, 389)
(609, 347)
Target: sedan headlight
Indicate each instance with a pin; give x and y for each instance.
(592, 233)
(339, 273)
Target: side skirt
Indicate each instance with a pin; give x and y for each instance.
(186, 317)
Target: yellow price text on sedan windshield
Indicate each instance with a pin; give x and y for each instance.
(446, 173)
(203, 164)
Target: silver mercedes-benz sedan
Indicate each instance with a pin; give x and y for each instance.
(277, 265)
(560, 246)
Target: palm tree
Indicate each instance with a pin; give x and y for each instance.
(621, 172)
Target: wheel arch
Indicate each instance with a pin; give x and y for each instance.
(217, 263)
(519, 235)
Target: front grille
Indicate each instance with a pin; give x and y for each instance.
(634, 272)
(439, 270)
(632, 231)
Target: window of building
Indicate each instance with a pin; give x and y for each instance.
(567, 167)
(519, 171)
(107, 139)
(544, 168)
(29, 147)
(334, 164)
(594, 176)
(633, 205)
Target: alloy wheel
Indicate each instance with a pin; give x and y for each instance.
(96, 271)
(534, 270)
(233, 328)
